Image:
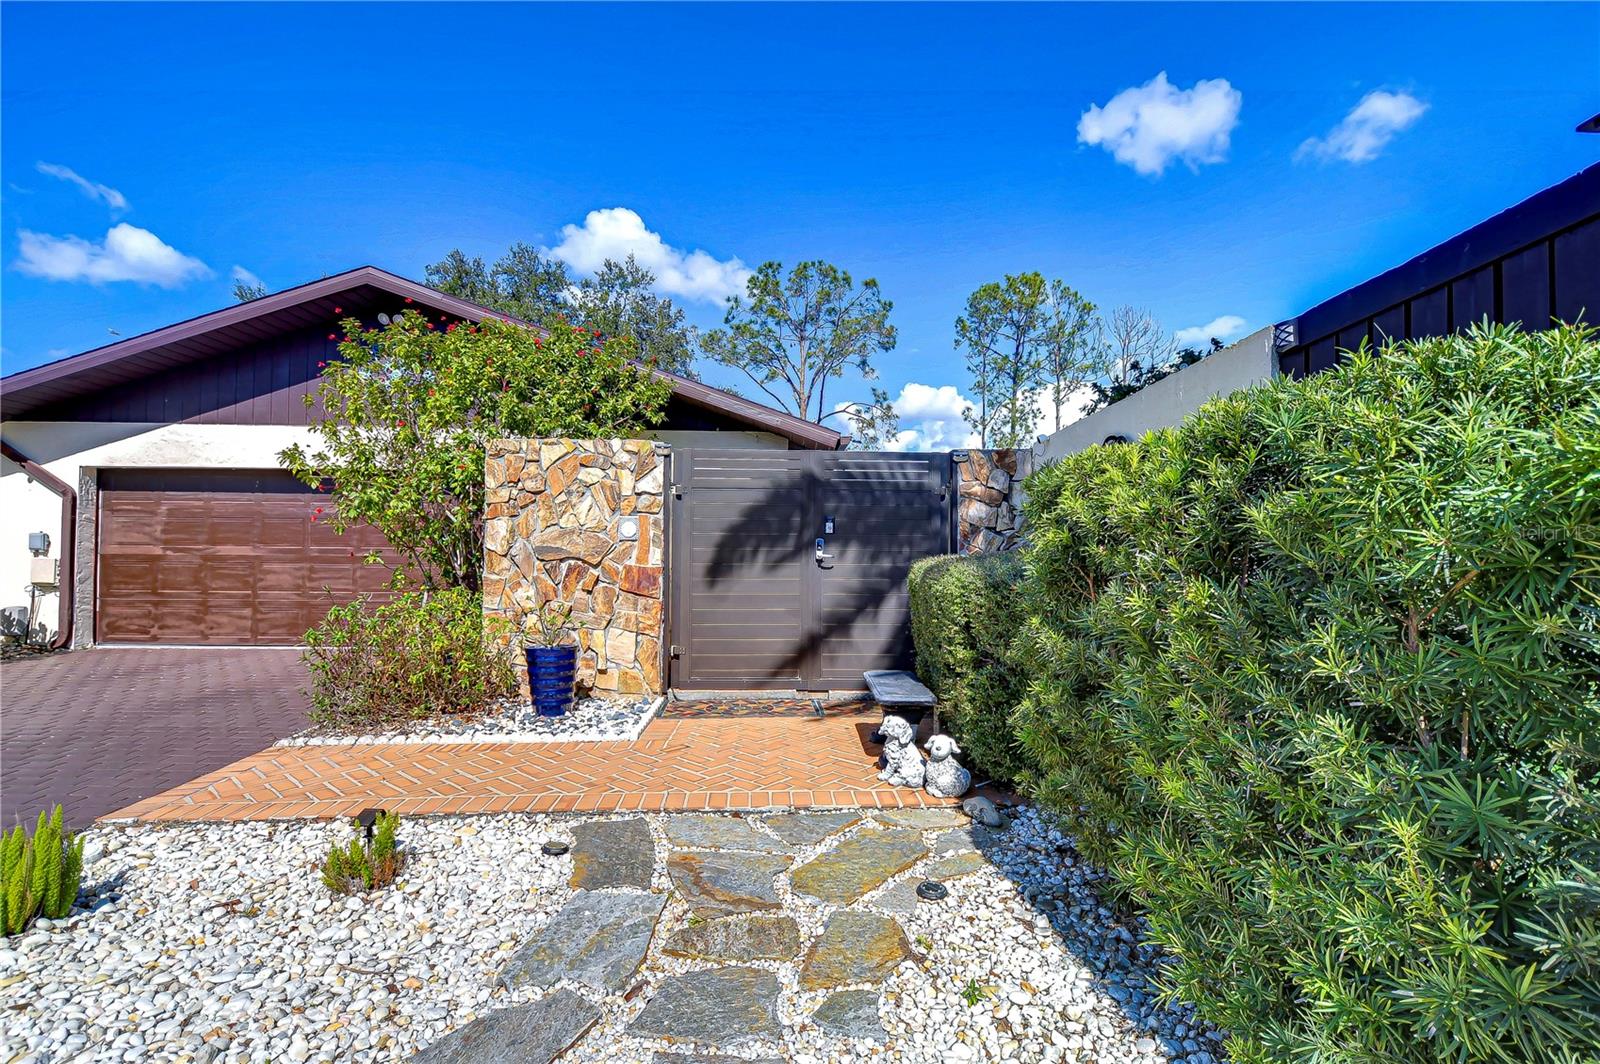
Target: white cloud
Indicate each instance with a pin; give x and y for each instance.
(127, 253)
(239, 273)
(93, 189)
(1224, 328)
(617, 232)
(1361, 135)
(1075, 407)
(1152, 124)
(930, 419)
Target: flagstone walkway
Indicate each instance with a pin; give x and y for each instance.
(676, 764)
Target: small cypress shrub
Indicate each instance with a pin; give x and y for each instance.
(39, 874)
(363, 866)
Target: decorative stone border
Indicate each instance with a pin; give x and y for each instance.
(592, 720)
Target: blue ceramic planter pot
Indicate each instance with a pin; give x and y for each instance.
(551, 674)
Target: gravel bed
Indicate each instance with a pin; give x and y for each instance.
(508, 721)
(215, 942)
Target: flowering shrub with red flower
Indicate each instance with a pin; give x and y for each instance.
(408, 410)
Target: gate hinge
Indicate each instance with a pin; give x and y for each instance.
(675, 651)
(677, 491)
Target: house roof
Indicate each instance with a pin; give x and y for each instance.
(362, 291)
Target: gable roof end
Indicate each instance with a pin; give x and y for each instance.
(364, 289)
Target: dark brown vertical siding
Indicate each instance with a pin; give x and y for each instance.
(259, 384)
(1430, 314)
(1350, 338)
(1525, 287)
(1322, 355)
(1538, 259)
(1472, 298)
(1577, 274)
(1389, 327)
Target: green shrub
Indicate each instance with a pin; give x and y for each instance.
(363, 865)
(39, 875)
(424, 652)
(1314, 675)
(963, 616)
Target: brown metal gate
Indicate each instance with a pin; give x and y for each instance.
(756, 603)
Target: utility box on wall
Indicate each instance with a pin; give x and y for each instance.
(44, 572)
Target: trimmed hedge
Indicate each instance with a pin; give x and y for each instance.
(962, 621)
(1314, 676)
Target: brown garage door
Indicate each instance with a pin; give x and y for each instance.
(221, 558)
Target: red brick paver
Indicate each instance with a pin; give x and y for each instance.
(715, 764)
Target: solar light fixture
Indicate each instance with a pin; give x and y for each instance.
(554, 848)
(367, 818)
(929, 890)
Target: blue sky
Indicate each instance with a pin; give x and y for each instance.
(1287, 152)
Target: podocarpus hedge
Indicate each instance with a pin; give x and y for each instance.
(963, 615)
(1314, 675)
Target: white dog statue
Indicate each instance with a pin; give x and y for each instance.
(944, 774)
(903, 764)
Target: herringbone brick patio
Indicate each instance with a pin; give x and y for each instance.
(713, 764)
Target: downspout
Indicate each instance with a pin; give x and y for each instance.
(69, 525)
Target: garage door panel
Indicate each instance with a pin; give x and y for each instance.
(223, 558)
(128, 573)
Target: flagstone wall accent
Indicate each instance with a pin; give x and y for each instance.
(555, 517)
(989, 500)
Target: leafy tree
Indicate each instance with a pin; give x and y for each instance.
(522, 283)
(244, 291)
(791, 335)
(619, 302)
(873, 425)
(409, 408)
(1072, 358)
(1022, 334)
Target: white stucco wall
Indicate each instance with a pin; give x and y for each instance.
(1169, 400)
(72, 449)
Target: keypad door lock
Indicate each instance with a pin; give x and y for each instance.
(822, 554)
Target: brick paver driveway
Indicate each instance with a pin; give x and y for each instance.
(98, 729)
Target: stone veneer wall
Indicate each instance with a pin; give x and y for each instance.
(988, 500)
(553, 522)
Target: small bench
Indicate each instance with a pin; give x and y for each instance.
(901, 693)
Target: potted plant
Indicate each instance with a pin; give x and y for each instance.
(552, 655)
